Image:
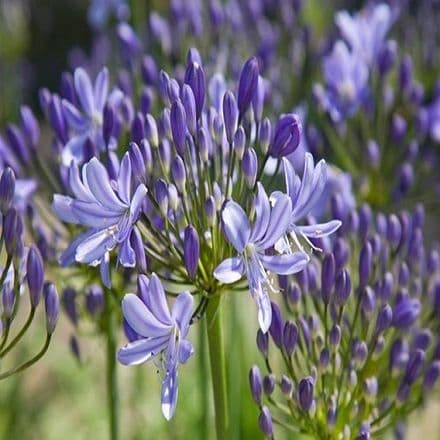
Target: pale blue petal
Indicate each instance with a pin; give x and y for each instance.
(101, 90)
(236, 225)
(76, 186)
(155, 298)
(74, 118)
(68, 256)
(62, 206)
(126, 255)
(262, 214)
(285, 264)
(182, 311)
(136, 202)
(264, 310)
(73, 151)
(140, 318)
(104, 270)
(124, 179)
(320, 229)
(186, 350)
(93, 248)
(84, 90)
(229, 271)
(169, 393)
(142, 350)
(94, 215)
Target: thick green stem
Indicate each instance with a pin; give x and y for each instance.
(112, 385)
(218, 367)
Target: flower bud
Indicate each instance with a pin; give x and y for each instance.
(139, 251)
(342, 287)
(431, 376)
(276, 326)
(161, 193)
(151, 132)
(108, 123)
(264, 135)
(287, 136)
(35, 275)
(269, 384)
(7, 189)
(290, 337)
(239, 142)
(191, 250)
(178, 126)
(262, 342)
(305, 393)
(265, 422)
(405, 312)
(30, 126)
(365, 264)
(69, 304)
(335, 335)
(149, 70)
(137, 128)
(384, 319)
(249, 165)
(247, 85)
(8, 300)
(179, 174)
(52, 306)
(195, 78)
(137, 162)
(286, 385)
(230, 115)
(255, 384)
(258, 100)
(327, 277)
(210, 210)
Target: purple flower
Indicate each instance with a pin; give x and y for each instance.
(346, 76)
(251, 244)
(304, 194)
(86, 122)
(365, 32)
(161, 334)
(109, 213)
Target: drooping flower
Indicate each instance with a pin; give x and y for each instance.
(109, 213)
(161, 334)
(251, 243)
(304, 194)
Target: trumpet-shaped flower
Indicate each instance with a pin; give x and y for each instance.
(251, 243)
(304, 194)
(161, 334)
(109, 213)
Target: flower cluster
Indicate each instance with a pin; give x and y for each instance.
(360, 347)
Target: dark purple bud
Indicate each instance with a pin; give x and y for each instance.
(398, 354)
(191, 250)
(30, 126)
(74, 347)
(165, 154)
(368, 301)
(327, 277)
(387, 57)
(365, 220)
(44, 98)
(262, 342)
(179, 174)
(404, 274)
(34, 275)
(195, 78)
(286, 137)
(247, 85)
(265, 422)
(418, 218)
(286, 385)
(108, 123)
(269, 384)
(293, 293)
(217, 128)
(265, 135)
(161, 195)
(384, 319)
(189, 104)
(381, 224)
(146, 101)
(10, 225)
(406, 74)
(403, 392)
(276, 326)
(137, 162)
(255, 384)
(290, 337)
(69, 304)
(360, 351)
(335, 335)
(137, 128)
(342, 287)
(7, 189)
(305, 393)
(249, 166)
(178, 126)
(365, 264)
(394, 230)
(173, 90)
(422, 340)
(230, 115)
(414, 367)
(341, 253)
(433, 263)
(324, 358)
(57, 120)
(431, 376)
(405, 313)
(95, 300)
(8, 300)
(52, 306)
(353, 221)
(149, 70)
(17, 142)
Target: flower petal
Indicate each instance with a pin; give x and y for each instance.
(142, 350)
(101, 90)
(77, 187)
(230, 270)
(73, 117)
(68, 256)
(262, 214)
(62, 206)
(140, 318)
(104, 270)
(236, 225)
(126, 255)
(84, 90)
(320, 229)
(285, 264)
(92, 249)
(94, 215)
(264, 309)
(182, 311)
(136, 201)
(169, 393)
(124, 179)
(186, 350)
(154, 296)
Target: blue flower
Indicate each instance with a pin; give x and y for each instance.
(251, 244)
(161, 334)
(87, 121)
(109, 213)
(304, 194)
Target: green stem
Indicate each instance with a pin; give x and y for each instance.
(218, 367)
(112, 386)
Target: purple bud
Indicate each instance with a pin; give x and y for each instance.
(195, 78)
(293, 294)
(191, 250)
(193, 56)
(173, 90)
(52, 306)
(230, 115)
(7, 189)
(305, 393)
(368, 302)
(151, 132)
(384, 319)
(360, 351)
(286, 385)
(405, 313)
(262, 342)
(387, 57)
(406, 74)
(137, 162)
(414, 366)
(179, 174)
(324, 358)
(137, 128)
(276, 326)
(30, 126)
(34, 275)
(404, 274)
(146, 101)
(394, 230)
(129, 41)
(95, 300)
(290, 337)
(149, 70)
(431, 376)
(265, 135)
(57, 120)
(327, 277)
(365, 220)
(178, 126)
(249, 165)
(422, 339)
(239, 142)
(44, 98)
(405, 179)
(342, 287)
(173, 197)
(247, 85)
(165, 154)
(8, 300)
(258, 100)
(189, 103)
(108, 123)
(269, 384)
(69, 304)
(18, 144)
(10, 225)
(265, 422)
(161, 195)
(365, 264)
(255, 384)
(373, 153)
(286, 137)
(335, 335)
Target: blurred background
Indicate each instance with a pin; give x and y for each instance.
(63, 396)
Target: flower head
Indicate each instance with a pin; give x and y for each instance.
(161, 334)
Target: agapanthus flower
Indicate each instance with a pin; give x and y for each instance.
(107, 208)
(304, 194)
(346, 78)
(365, 31)
(251, 243)
(86, 121)
(161, 334)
